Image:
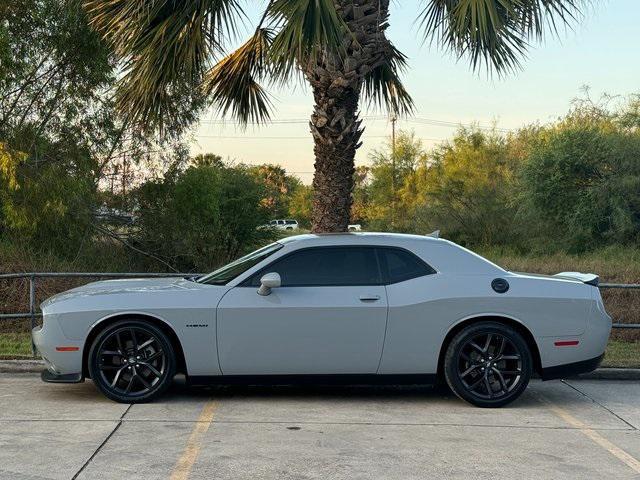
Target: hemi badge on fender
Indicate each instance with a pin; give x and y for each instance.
(67, 349)
(566, 343)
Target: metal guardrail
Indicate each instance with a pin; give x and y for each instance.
(623, 286)
(33, 314)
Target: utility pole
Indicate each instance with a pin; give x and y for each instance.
(394, 119)
(124, 176)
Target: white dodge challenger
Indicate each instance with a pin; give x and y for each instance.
(351, 308)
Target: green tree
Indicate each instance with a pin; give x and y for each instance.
(53, 123)
(201, 217)
(389, 172)
(60, 130)
(301, 204)
(361, 200)
(50, 205)
(279, 188)
(465, 188)
(208, 160)
(338, 46)
(581, 183)
(57, 67)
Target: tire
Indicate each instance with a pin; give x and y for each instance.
(488, 364)
(132, 361)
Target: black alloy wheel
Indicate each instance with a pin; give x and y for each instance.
(132, 361)
(488, 364)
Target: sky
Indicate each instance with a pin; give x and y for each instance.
(602, 52)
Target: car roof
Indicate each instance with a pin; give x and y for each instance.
(356, 238)
(441, 254)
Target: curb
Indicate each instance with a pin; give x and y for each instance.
(21, 366)
(36, 366)
(608, 373)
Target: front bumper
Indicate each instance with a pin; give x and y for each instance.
(50, 377)
(60, 362)
(571, 369)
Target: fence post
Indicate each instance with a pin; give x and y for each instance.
(32, 309)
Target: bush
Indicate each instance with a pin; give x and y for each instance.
(202, 217)
(581, 184)
(465, 188)
(49, 203)
(301, 205)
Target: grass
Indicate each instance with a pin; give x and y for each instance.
(619, 353)
(613, 264)
(15, 345)
(622, 354)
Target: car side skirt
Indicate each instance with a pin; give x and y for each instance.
(337, 379)
(571, 369)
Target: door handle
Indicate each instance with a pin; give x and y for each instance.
(369, 298)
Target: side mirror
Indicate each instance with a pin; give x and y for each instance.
(267, 282)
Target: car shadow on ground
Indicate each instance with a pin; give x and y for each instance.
(180, 391)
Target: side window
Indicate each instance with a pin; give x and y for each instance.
(326, 267)
(401, 265)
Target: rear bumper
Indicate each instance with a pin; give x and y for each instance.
(51, 377)
(571, 369)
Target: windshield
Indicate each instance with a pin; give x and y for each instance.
(232, 270)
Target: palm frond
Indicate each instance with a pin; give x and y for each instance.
(494, 33)
(383, 87)
(232, 84)
(306, 29)
(165, 45)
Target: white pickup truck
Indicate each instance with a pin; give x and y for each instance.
(283, 224)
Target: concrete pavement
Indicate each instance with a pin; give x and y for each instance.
(560, 430)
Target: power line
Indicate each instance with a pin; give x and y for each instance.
(243, 137)
(416, 120)
(444, 123)
(299, 138)
(282, 121)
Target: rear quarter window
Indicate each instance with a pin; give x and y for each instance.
(400, 265)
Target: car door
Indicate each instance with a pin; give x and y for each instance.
(328, 316)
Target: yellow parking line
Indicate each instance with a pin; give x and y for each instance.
(184, 464)
(613, 449)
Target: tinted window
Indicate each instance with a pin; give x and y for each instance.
(326, 267)
(401, 265)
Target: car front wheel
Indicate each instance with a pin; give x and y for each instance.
(488, 364)
(132, 361)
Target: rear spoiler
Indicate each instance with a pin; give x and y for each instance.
(588, 278)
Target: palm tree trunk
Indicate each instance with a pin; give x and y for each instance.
(334, 124)
(336, 132)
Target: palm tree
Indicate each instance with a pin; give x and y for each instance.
(174, 50)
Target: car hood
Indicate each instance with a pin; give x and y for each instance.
(123, 286)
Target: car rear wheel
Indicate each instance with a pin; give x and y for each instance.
(488, 364)
(132, 361)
